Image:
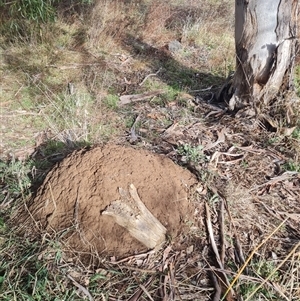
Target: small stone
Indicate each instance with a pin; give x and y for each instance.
(174, 46)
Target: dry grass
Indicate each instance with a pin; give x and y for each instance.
(110, 54)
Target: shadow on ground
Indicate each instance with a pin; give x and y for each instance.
(171, 72)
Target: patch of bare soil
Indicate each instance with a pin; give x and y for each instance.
(78, 189)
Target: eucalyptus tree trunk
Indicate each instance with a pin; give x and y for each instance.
(265, 38)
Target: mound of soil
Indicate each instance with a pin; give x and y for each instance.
(78, 189)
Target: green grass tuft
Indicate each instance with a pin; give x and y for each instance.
(193, 154)
(14, 178)
(111, 101)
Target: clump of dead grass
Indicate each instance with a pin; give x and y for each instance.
(109, 23)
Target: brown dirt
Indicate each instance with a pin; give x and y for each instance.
(82, 185)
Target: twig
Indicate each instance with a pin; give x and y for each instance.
(6, 203)
(73, 66)
(268, 209)
(201, 90)
(219, 280)
(82, 288)
(237, 245)
(144, 254)
(144, 287)
(231, 273)
(165, 296)
(18, 90)
(172, 280)
(151, 74)
(126, 99)
(136, 296)
(221, 224)
(285, 176)
(22, 113)
(146, 271)
(239, 250)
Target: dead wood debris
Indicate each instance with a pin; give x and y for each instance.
(131, 213)
(223, 280)
(127, 99)
(162, 276)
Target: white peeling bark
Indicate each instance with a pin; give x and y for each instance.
(265, 37)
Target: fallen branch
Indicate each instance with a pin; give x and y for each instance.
(126, 99)
(131, 213)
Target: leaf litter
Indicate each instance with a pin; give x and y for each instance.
(243, 198)
(245, 174)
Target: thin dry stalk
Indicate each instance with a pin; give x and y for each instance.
(239, 250)
(136, 296)
(172, 280)
(250, 257)
(146, 292)
(291, 277)
(292, 252)
(221, 225)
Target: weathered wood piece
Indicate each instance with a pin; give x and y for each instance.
(131, 213)
(126, 99)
